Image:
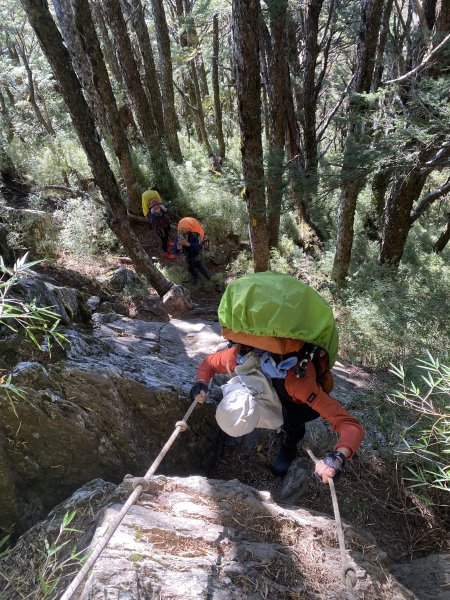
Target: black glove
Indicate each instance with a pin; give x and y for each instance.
(335, 460)
(198, 387)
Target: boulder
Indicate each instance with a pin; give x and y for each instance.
(104, 411)
(177, 301)
(123, 278)
(196, 538)
(427, 577)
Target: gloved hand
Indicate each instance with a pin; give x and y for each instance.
(197, 389)
(335, 460)
(330, 466)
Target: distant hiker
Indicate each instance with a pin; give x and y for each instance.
(159, 218)
(297, 373)
(190, 239)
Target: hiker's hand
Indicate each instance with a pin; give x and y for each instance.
(330, 466)
(323, 472)
(198, 392)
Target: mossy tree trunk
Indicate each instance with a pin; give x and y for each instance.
(246, 16)
(162, 176)
(216, 88)
(353, 171)
(58, 57)
(277, 116)
(165, 59)
(135, 13)
(81, 39)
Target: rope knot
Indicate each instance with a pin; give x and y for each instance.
(182, 425)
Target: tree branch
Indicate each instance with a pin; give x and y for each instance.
(326, 121)
(422, 65)
(428, 200)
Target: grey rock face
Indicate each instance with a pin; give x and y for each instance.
(68, 303)
(122, 278)
(195, 538)
(428, 577)
(105, 411)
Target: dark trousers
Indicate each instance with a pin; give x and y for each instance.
(295, 415)
(164, 234)
(195, 266)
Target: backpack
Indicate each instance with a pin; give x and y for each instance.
(283, 315)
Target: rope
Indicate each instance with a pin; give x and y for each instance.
(345, 567)
(101, 544)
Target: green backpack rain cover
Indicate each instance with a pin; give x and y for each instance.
(279, 305)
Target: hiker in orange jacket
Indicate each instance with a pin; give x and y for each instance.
(302, 398)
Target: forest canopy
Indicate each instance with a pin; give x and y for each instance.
(316, 132)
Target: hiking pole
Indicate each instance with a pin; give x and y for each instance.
(101, 544)
(346, 568)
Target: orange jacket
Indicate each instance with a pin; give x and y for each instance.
(303, 390)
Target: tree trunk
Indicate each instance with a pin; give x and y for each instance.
(442, 17)
(310, 94)
(353, 173)
(396, 223)
(64, 14)
(379, 60)
(199, 107)
(107, 45)
(6, 120)
(97, 76)
(405, 191)
(309, 233)
(6, 163)
(380, 184)
(277, 116)
(194, 42)
(162, 177)
(58, 57)
(407, 188)
(191, 79)
(245, 25)
(165, 58)
(443, 239)
(135, 12)
(216, 88)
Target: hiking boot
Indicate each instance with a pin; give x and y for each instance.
(285, 458)
(168, 255)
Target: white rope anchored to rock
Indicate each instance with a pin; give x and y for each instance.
(101, 544)
(346, 568)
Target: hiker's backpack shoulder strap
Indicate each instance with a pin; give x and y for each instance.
(319, 357)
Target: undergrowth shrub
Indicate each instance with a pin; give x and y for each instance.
(427, 438)
(55, 162)
(213, 199)
(83, 228)
(384, 318)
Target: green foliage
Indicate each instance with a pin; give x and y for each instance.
(37, 323)
(54, 566)
(32, 230)
(241, 265)
(83, 228)
(383, 319)
(214, 200)
(4, 548)
(428, 440)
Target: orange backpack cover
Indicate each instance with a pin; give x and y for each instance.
(191, 225)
